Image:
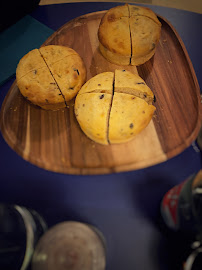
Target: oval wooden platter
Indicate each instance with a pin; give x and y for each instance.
(54, 141)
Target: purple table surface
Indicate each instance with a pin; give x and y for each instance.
(124, 206)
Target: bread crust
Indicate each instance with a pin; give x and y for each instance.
(70, 75)
(92, 106)
(113, 57)
(130, 38)
(143, 11)
(54, 53)
(50, 76)
(92, 111)
(117, 114)
(145, 34)
(114, 36)
(129, 116)
(39, 87)
(129, 83)
(100, 83)
(29, 62)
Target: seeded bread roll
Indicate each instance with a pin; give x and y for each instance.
(39, 87)
(101, 83)
(129, 116)
(113, 108)
(92, 112)
(70, 75)
(29, 62)
(143, 11)
(129, 34)
(53, 53)
(129, 83)
(92, 106)
(114, 36)
(51, 76)
(145, 34)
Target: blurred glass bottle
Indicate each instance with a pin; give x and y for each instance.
(70, 245)
(194, 260)
(181, 207)
(20, 229)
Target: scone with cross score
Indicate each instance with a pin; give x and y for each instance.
(50, 76)
(129, 34)
(113, 107)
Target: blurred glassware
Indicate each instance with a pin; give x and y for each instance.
(20, 229)
(70, 245)
(181, 207)
(194, 260)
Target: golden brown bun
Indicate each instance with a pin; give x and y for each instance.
(113, 57)
(113, 109)
(54, 53)
(101, 83)
(129, 83)
(51, 76)
(143, 11)
(114, 38)
(128, 35)
(129, 116)
(39, 87)
(70, 75)
(92, 106)
(31, 61)
(145, 34)
(92, 111)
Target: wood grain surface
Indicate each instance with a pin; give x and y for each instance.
(54, 141)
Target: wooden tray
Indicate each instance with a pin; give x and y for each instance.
(53, 139)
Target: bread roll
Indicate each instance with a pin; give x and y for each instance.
(129, 34)
(50, 76)
(129, 116)
(113, 108)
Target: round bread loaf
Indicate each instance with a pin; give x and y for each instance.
(50, 76)
(114, 107)
(129, 34)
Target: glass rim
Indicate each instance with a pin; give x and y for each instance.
(191, 258)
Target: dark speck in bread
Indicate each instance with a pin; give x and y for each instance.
(75, 69)
(111, 18)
